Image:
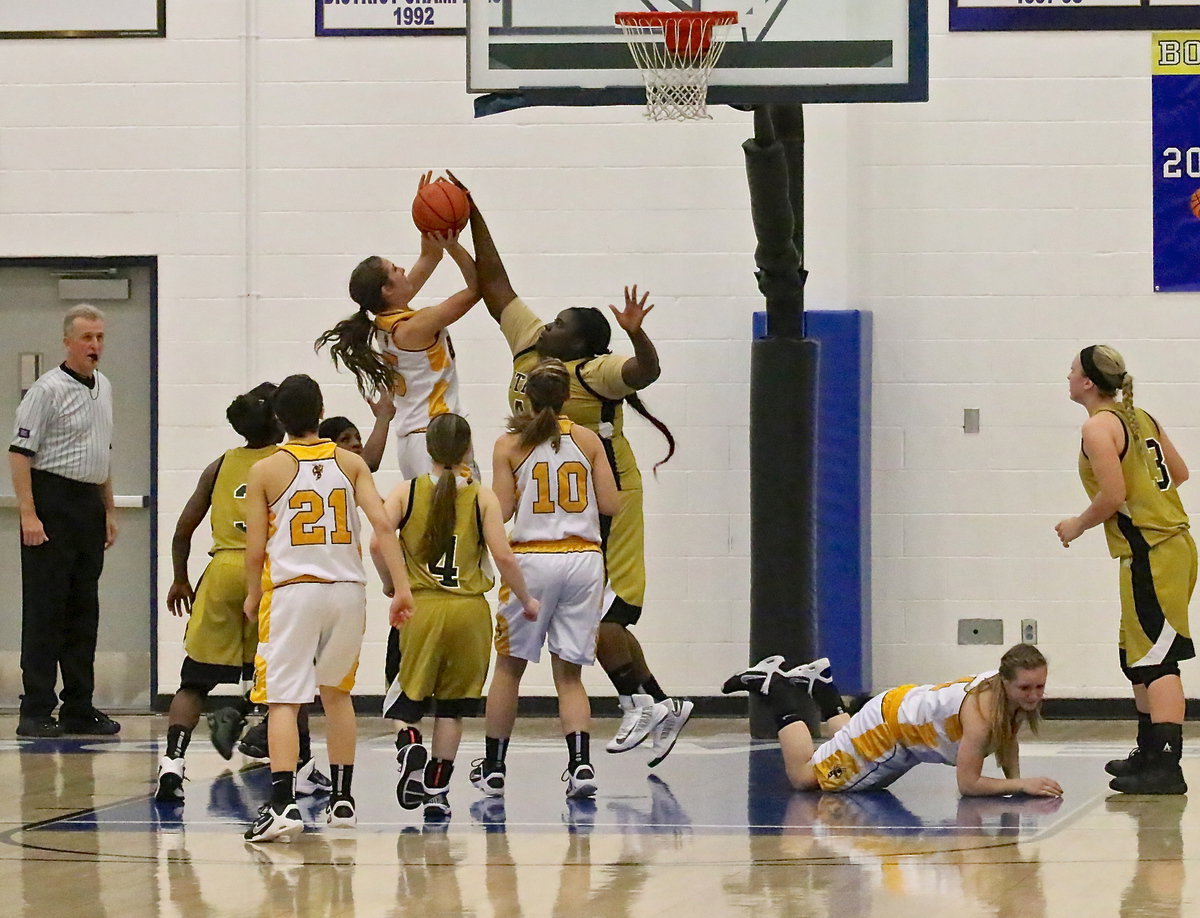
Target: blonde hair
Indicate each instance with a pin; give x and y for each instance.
(1006, 718)
(1114, 378)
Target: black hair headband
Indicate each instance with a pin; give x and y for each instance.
(1091, 371)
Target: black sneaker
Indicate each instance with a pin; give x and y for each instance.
(1130, 765)
(410, 786)
(226, 726)
(284, 824)
(254, 742)
(93, 723)
(1158, 778)
(38, 726)
(437, 804)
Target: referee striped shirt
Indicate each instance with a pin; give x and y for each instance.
(65, 423)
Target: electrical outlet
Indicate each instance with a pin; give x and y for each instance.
(1029, 630)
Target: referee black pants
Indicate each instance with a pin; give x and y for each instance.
(60, 582)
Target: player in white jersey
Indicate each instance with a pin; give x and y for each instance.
(554, 481)
(392, 348)
(306, 585)
(957, 723)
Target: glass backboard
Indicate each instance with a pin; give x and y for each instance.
(571, 52)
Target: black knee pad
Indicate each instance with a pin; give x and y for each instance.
(1144, 675)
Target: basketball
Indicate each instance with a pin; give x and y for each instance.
(1196, 203)
(440, 206)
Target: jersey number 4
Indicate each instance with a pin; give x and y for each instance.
(571, 494)
(306, 525)
(445, 569)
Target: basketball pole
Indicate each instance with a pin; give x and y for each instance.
(783, 373)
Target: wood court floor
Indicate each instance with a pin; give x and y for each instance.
(712, 831)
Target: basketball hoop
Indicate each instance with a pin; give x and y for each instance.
(676, 52)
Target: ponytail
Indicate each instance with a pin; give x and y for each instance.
(351, 339)
(447, 440)
(547, 388)
(1105, 367)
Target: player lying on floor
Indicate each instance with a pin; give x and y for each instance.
(956, 723)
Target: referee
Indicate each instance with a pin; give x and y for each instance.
(60, 469)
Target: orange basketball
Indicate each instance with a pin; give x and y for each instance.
(440, 207)
(1196, 202)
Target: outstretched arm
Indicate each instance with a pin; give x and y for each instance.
(420, 329)
(494, 285)
(972, 751)
(642, 368)
(431, 252)
(383, 406)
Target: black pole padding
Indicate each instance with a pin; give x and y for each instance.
(775, 174)
(783, 417)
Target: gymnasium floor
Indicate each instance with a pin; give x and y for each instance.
(712, 831)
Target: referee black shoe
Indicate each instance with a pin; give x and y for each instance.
(93, 723)
(42, 727)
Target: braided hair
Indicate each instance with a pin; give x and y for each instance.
(1105, 367)
(596, 333)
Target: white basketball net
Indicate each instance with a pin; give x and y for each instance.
(676, 58)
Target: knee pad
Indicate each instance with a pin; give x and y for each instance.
(1144, 675)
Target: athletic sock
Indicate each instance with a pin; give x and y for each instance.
(178, 738)
(624, 680)
(1145, 731)
(305, 739)
(283, 788)
(828, 699)
(1171, 738)
(578, 747)
(342, 776)
(651, 687)
(786, 702)
(437, 773)
(494, 750)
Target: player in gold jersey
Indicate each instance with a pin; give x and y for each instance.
(957, 723)
(447, 525)
(219, 643)
(601, 384)
(1131, 472)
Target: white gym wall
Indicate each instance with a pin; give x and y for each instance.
(992, 232)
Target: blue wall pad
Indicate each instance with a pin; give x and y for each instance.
(842, 489)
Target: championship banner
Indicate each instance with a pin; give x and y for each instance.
(1176, 131)
(391, 17)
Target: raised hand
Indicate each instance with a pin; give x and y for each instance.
(631, 317)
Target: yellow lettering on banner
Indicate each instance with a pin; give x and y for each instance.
(1175, 53)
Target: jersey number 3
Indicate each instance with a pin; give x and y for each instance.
(1160, 462)
(305, 526)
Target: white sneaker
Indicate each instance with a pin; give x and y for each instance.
(581, 782)
(340, 814)
(756, 678)
(310, 781)
(641, 715)
(668, 730)
(816, 671)
(276, 825)
(170, 780)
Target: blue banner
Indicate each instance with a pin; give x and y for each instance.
(1176, 94)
